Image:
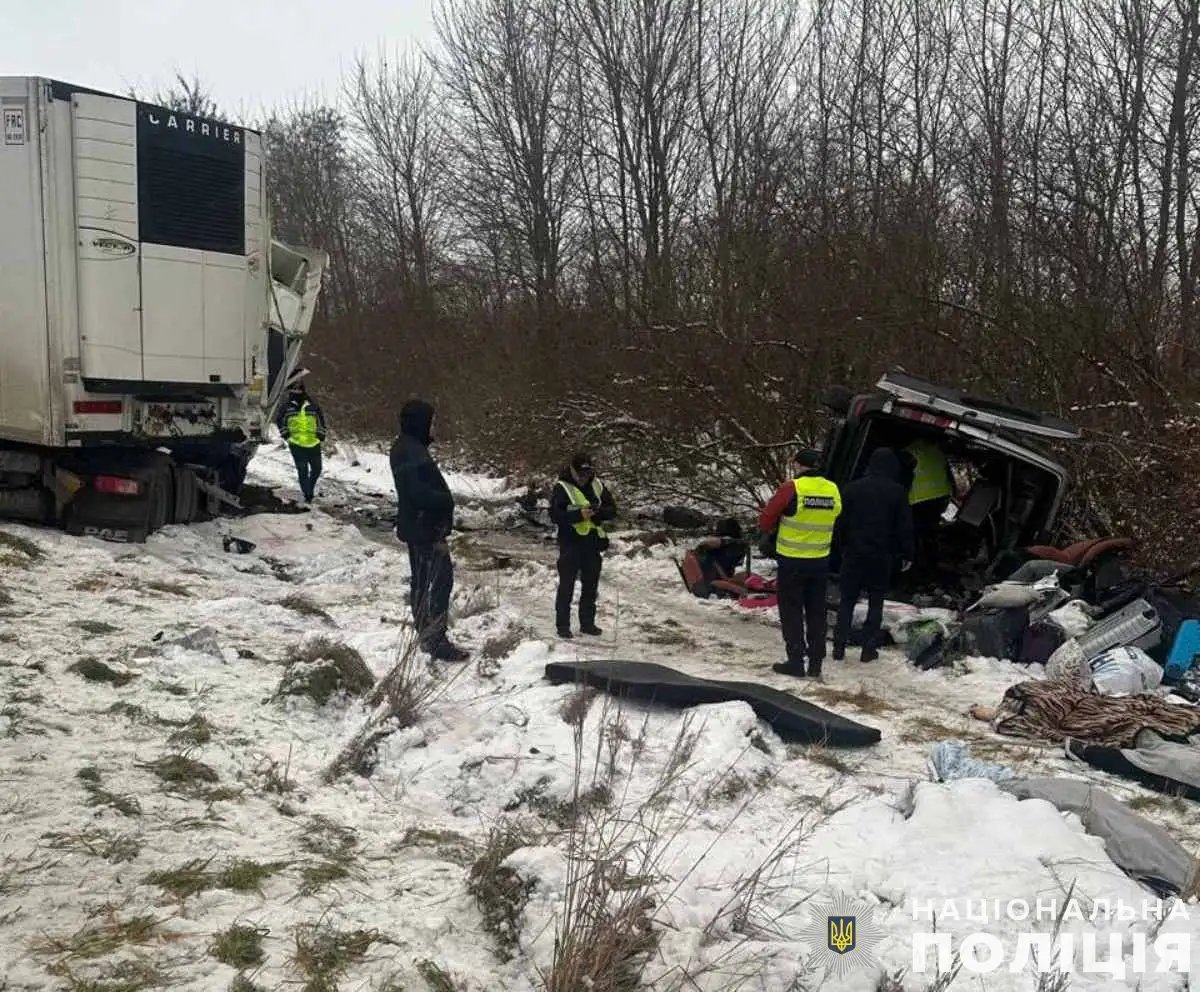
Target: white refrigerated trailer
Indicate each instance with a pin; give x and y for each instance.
(148, 320)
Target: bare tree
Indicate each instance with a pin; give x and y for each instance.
(505, 64)
(313, 195)
(187, 96)
(396, 115)
(639, 62)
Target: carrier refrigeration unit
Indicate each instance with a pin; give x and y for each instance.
(148, 320)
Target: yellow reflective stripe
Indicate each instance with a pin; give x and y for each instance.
(790, 523)
(302, 428)
(579, 499)
(808, 533)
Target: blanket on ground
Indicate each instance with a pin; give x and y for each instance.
(1056, 710)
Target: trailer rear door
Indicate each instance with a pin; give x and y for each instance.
(110, 304)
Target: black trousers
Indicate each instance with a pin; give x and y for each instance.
(926, 518)
(432, 583)
(308, 468)
(580, 562)
(802, 612)
(872, 576)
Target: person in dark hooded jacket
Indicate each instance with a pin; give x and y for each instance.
(580, 504)
(874, 530)
(424, 519)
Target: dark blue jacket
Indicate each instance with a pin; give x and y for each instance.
(424, 503)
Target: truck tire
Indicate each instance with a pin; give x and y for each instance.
(161, 497)
(187, 495)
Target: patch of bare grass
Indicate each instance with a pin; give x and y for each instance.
(498, 891)
(926, 730)
(436, 977)
(17, 551)
(196, 876)
(110, 845)
(301, 605)
(448, 845)
(335, 851)
(861, 699)
(95, 670)
(321, 668)
(167, 588)
(90, 583)
(667, 632)
(276, 776)
(398, 701)
(90, 778)
(322, 954)
(181, 773)
(195, 732)
(136, 975)
(501, 645)
(239, 946)
(103, 937)
(96, 627)
(18, 873)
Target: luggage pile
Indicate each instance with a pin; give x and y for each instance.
(1090, 621)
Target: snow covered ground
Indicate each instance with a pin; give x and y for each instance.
(168, 820)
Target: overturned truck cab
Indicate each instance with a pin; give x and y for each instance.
(1004, 494)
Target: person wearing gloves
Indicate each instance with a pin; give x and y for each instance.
(424, 519)
(580, 504)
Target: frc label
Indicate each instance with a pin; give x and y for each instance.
(14, 125)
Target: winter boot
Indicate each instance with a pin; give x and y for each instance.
(450, 652)
(795, 671)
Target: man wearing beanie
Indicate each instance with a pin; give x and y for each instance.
(580, 504)
(802, 514)
(424, 519)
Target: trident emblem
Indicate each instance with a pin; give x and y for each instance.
(841, 934)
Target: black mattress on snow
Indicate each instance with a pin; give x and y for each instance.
(794, 719)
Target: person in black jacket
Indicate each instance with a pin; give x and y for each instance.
(424, 519)
(875, 529)
(579, 505)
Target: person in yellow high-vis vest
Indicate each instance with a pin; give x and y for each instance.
(802, 515)
(929, 494)
(580, 504)
(302, 425)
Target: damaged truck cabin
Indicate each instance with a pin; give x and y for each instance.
(1007, 491)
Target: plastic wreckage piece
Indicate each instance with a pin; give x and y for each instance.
(1137, 625)
(794, 719)
(1183, 651)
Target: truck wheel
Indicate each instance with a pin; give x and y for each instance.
(187, 495)
(162, 495)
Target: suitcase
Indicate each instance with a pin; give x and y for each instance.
(1184, 650)
(1137, 625)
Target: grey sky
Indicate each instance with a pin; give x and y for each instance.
(251, 55)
